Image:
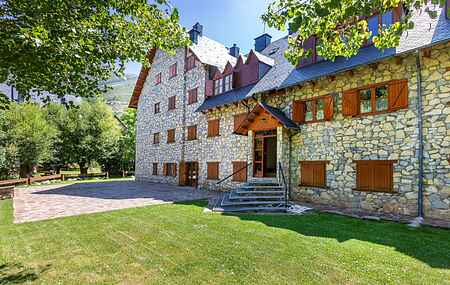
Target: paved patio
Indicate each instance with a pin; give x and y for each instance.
(54, 201)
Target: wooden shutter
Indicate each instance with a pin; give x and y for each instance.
(298, 111)
(192, 96)
(306, 174)
(398, 95)
(171, 136)
(329, 107)
(350, 103)
(397, 14)
(171, 103)
(213, 128)
(238, 119)
(209, 88)
(213, 170)
(182, 178)
(192, 133)
(374, 175)
(165, 170)
(240, 176)
(313, 173)
(155, 169)
(174, 169)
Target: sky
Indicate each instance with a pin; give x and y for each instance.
(226, 21)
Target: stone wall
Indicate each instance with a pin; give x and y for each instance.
(390, 136)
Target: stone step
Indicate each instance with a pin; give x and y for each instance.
(269, 187)
(238, 203)
(233, 197)
(256, 192)
(249, 209)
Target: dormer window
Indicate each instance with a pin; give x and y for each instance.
(228, 82)
(218, 86)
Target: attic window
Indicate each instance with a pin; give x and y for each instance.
(228, 82)
(218, 86)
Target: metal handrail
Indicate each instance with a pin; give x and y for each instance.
(246, 166)
(284, 184)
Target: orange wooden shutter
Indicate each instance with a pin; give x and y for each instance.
(350, 103)
(213, 170)
(329, 107)
(174, 169)
(363, 175)
(382, 176)
(192, 133)
(209, 88)
(298, 111)
(240, 176)
(306, 174)
(213, 128)
(165, 170)
(398, 95)
(238, 119)
(182, 177)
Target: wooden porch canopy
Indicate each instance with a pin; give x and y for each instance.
(264, 118)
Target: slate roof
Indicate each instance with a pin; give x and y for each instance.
(427, 32)
(213, 53)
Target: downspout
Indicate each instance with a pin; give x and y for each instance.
(420, 212)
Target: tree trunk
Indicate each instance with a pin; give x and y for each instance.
(25, 171)
(83, 169)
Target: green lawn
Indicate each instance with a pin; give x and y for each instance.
(179, 244)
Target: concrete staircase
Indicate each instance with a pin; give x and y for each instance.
(254, 196)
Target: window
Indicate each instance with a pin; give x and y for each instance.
(240, 171)
(379, 22)
(170, 169)
(218, 86)
(173, 70)
(190, 62)
(313, 173)
(213, 128)
(155, 169)
(228, 82)
(238, 119)
(192, 133)
(156, 138)
(171, 136)
(374, 175)
(157, 108)
(192, 96)
(313, 110)
(213, 170)
(158, 79)
(171, 105)
(378, 98)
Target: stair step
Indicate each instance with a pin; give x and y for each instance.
(261, 187)
(251, 192)
(237, 203)
(233, 197)
(250, 209)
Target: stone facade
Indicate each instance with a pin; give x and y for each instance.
(388, 136)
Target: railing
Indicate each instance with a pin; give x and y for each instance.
(282, 180)
(231, 175)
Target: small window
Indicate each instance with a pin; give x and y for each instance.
(240, 171)
(173, 70)
(314, 110)
(158, 79)
(228, 81)
(170, 169)
(218, 86)
(172, 103)
(373, 99)
(365, 101)
(313, 173)
(192, 133)
(190, 62)
(213, 170)
(155, 169)
(156, 138)
(374, 175)
(213, 128)
(171, 136)
(192, 96)
(157, 108)
(381, 98)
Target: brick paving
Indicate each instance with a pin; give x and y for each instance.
(54, 201)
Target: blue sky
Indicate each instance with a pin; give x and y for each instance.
(226, 21)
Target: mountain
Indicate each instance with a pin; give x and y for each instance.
(120, 93)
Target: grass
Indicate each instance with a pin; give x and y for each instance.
(179, 244)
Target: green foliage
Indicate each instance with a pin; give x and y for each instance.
(28, 136)
(88, 133)
(70, 46)
(4, 101)
(338, 25)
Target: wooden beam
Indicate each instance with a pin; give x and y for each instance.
(331, 78)
(398, 60)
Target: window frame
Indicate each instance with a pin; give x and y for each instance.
(189, 128)
(190, 62)
(217, 134)
(314, 111)
(228, 86)
(313, 163)
(215, 164)
(172, 103)
(373, 98)
(173, 70)
(192, 99)
(158, 79)
(157, 108)
(154, 169)
(218, 86)
(373, 163)
(156, 138)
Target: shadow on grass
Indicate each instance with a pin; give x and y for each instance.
(15, 273)
(429, 245)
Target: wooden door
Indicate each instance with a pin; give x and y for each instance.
(258, 157)
(192, 174)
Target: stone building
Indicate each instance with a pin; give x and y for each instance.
(369, 133)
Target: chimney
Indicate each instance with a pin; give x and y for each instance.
(234, 50)
(262, 42)
(197, 31)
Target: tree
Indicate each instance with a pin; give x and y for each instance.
(4, 101)
(71, 46)
(88, 133)
(127, 142)
(340, 26)
(29, 134)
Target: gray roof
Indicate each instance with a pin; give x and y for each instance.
(427, 32)
(213, 53)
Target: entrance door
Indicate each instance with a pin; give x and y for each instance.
(191, 172)
(265, 154)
